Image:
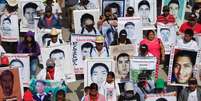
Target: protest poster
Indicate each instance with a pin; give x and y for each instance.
(172, 96)
(51, 89)
(81, 46)
(96, 71)
(167, 34)
(142, 66)
(133, 26)
(9, 29)
(11, 87)
(146, 10)
(21, 61)
(117, 5)
(177, 9)
(2, 6)
(28, 13)
(63, 65)
(76, 91)
(43, 36)
(181, 66)
(86, 19)
(122, 55)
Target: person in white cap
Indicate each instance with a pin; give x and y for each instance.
(129, 94)
(100, 50)
(55, 41)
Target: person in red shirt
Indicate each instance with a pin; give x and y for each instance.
(93, 94)
(166, 17)
(50, 69)
(191, 24)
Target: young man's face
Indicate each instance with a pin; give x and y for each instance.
(7, 85)
(183, 69)
(165, 34)
(59, 58)
(40, 87)
(29, 14)
(174, 9)
(123, 65)
(99, 75)
(144, 11)
(130, 29)
(6, 25)
(86, 52)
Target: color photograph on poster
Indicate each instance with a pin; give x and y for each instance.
(11, 87)
(21, 61)
(96, 71)
(63, 65)
(117, 7)
(177, 9)
(51, 90)
(85, 22)
(43, 36)
(172, 96)
(132, 27)
(146, 10)
(181, 66)
(167, 34)
(81, 46)
(28, 12)
(142, 67)
(9, 29)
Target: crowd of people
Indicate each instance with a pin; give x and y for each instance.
(176, 52)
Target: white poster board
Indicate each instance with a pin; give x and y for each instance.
(140, 65)
(9, 29)
(21, 61)
(133, 26)
(167, 34)
(63, 65)
(81, 47)
(78, 16)
(96, 71)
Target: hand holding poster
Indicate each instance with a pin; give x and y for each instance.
(142, 65)
(81, 47)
